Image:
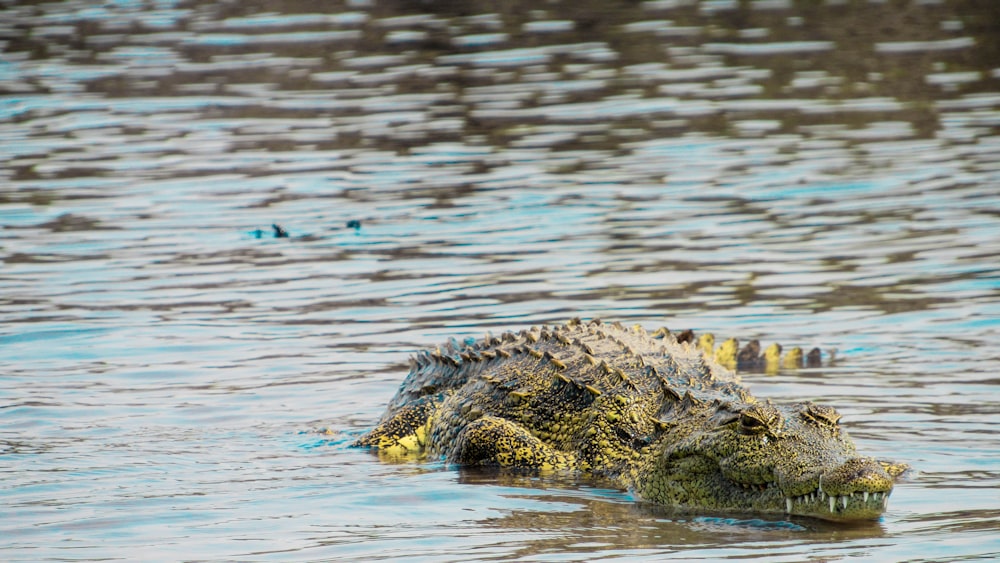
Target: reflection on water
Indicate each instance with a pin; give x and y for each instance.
(818, 173)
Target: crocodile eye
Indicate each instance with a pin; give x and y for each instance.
(759, 419)
(751, 425)
(821, 414)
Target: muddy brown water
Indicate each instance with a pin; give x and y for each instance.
(813, 173)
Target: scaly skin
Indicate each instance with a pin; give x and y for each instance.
(653, 412)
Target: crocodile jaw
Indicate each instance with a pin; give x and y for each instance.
(857, 489)
(861, 505)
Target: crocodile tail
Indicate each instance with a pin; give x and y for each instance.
(752, 358)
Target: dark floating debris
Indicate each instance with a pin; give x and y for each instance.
(277, 230)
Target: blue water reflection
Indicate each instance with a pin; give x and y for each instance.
(819, 175)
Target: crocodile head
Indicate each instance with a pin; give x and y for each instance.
(755, 457)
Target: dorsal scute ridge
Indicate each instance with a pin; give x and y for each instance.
(603, 356)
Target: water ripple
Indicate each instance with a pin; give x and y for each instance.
(224, 228)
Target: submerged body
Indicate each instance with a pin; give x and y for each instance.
(653, 412)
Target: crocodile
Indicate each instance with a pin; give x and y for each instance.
(657, 413)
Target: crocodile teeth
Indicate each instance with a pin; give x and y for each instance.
(831, 504)
(885, 501)
(864, 495)
(788, 504)
(843, 501)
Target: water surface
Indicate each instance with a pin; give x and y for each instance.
(813, 173)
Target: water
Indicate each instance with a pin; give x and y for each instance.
(811, 173)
